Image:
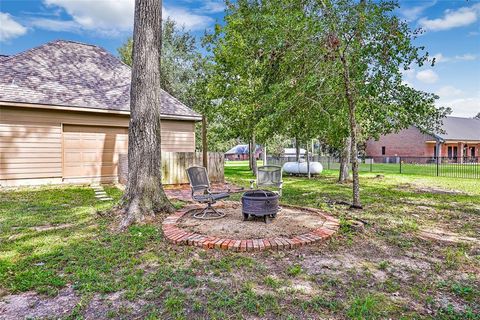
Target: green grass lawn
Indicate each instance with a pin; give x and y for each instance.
(454, 170)
(52, 239)
(410, 167)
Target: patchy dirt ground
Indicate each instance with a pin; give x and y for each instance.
(31, 305)
(417, 257)
(67, 302)
(290, 221)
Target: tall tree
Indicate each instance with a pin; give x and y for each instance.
(181, 65)
(144, 194)
(184, 74)
(367, 46)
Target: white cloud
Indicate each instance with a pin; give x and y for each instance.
(10, 29)
(54, 25)
(413, 13)
(440, 58)
(448, 91)
(461, 107)
(211, 6)
(452, 19)
(467, 57)
(106, 16)
(114, 17)
(189, 20)
(427, 76)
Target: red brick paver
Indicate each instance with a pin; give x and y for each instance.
(177, 235)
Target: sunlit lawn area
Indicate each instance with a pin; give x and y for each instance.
(454, 170)
(53, 240)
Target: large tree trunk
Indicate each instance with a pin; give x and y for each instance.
(344, 172)
(353, 134)
(204, 142)
(144, 194)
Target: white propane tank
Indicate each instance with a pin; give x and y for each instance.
(302, 168)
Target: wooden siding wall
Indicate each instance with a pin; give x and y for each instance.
(31, 139)
(175, 164)
(178, 136)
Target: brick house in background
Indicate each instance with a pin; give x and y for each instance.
(459, 142)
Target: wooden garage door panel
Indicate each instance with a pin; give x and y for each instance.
(90, 171)
(71, 157)
(92, 151)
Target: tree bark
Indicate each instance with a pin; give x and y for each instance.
(250, 163)
(204, 142)
(264, 154)
(344, 172)
(297, 150)
(144, 194)
(254, 155)
(308, 162)
(353, 134)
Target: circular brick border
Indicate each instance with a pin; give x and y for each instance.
(177, 235)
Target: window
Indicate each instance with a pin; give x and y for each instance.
(472, 152)
(435, 151)
(450, 152)
(383, 151)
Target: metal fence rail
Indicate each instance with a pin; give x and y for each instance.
(454, 167)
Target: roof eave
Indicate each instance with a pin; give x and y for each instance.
(94, 110)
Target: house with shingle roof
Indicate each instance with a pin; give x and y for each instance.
(459, 140)
(64, 115)
(241, 152)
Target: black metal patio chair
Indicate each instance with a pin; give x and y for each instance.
(268, 176)
(200, 185)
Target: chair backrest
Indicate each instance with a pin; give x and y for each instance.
(269, 176)
(198, 178)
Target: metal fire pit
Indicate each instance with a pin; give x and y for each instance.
(260, 203)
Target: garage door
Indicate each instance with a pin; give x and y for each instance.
(91, 151)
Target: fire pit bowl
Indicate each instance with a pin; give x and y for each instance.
(260, 203)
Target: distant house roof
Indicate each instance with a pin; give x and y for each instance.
(72, 74)
(463, 129)
(238, 149)
(241, 149)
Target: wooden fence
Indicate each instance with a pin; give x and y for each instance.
(175, 164)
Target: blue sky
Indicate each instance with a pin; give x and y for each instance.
(452, 35)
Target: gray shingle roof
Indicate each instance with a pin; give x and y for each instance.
(238, 149)
(457, 128)
(73, 74)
